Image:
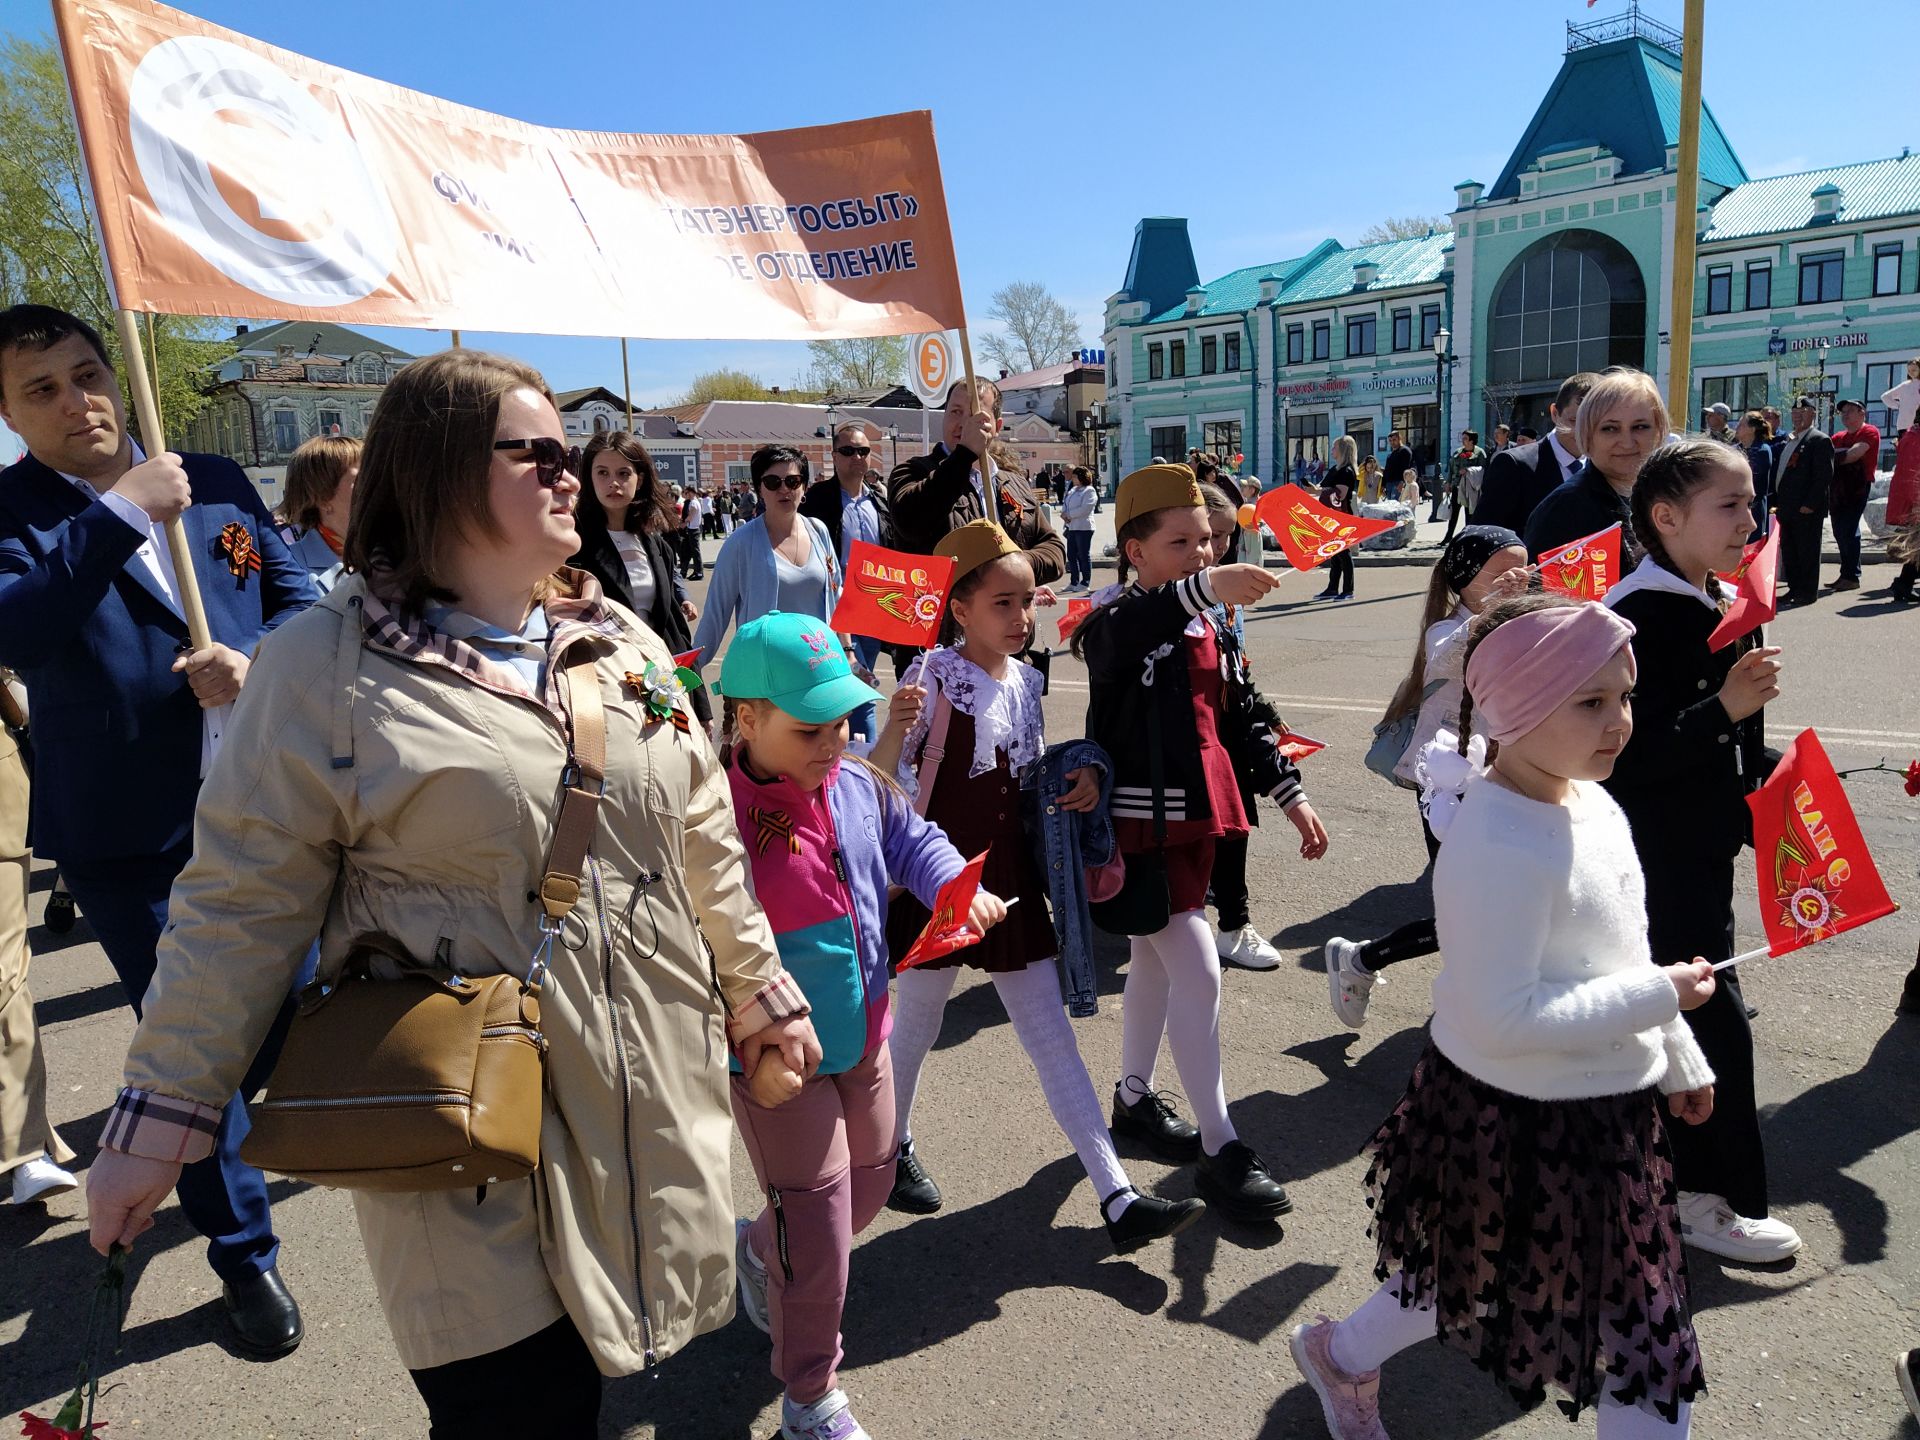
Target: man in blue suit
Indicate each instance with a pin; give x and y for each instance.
(127, 715)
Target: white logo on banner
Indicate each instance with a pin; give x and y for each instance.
(320, 233)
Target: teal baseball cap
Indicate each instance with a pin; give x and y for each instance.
(797, 663)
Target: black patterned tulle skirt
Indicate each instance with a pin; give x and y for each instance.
(1544, 1234)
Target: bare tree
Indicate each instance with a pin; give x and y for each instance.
(835, 367)
(1403, 227)
(1499, 397)
(1040, 331)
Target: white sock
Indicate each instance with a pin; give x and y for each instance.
(919, 1003)
(1630, 1422)
(1143, 1018)
(1380, 1328)
(1032, 998)
(1192, 969)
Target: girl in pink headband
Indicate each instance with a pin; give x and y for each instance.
(1522, 1191)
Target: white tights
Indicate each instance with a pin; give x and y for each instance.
(1032, 1000)
(1173, 989)
(1383, 1327)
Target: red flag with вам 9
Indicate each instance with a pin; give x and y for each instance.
(893, 596)
(1585, 569)
(1308, 531)
(1816, 877)
(948, 930)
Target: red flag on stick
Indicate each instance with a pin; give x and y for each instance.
(684, 660)
(948, 930)
(1310, 532)
(1816, 877)
(891, 595)
(1077, 610)
(1296, 746)
(1753, 594)
(1587, 568)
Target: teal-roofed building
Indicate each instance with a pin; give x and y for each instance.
(1805, 283)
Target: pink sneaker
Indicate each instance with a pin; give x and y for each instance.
(1351, 1403)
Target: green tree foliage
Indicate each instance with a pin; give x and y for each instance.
(725, 385)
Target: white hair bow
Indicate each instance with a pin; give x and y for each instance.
(1443, 773)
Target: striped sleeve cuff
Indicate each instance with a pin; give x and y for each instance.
(1289, 792)
(779, 1000)
(160, 1127)
(1196, 592)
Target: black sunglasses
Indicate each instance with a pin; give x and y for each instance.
(861, 450)
(783, 482)
(550, 457)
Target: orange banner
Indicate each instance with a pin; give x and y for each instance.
(233, 178)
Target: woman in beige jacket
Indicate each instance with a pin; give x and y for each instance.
(395, 766)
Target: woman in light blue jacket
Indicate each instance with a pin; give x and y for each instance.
(318, 499)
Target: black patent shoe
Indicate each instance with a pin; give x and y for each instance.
(1147, 1219)
(913, 1189)
(265, 1319)
(1236, 1183)
(1149, 1119)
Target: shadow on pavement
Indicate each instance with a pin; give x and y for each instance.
(978, 1007)
(43, 942)
(1365, 917)
(1428, 1391)
(79, 1004)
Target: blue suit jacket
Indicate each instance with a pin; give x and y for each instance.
(116, 732)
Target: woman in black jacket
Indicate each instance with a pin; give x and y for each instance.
(1337, 492)
(625, 518)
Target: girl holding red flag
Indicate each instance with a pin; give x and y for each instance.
(1698, 749)
(963, 754)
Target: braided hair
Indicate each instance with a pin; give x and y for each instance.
(1484, 624)
(1673, 473)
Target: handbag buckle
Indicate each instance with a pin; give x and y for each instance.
(572, 775)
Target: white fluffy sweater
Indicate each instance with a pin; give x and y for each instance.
(1546, 987)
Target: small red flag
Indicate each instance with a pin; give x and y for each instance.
(1296, 746)
(948, 930)
(684, 660)
(891, 595)
(1587, 568)
(1753, 594)
(1077, 610)
(1308, 531)
(1816, 877)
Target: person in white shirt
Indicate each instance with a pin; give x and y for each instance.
(1522, 1191)
(1076, 512)
(693, 514)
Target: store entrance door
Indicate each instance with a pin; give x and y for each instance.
(1362, 433)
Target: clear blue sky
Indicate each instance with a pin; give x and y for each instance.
(1270, 125)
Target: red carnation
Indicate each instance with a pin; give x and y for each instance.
(1913, 778)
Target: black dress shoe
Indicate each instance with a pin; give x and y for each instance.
(1147, 1219)
(913, 1189)
(1910, 993)
(1236, 1183)
(1150, 1120)
(265, 1319)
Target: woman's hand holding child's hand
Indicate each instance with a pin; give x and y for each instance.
(988, 911)
(774, 1081)
(1692, 982)
(1240, 584)
(1085, 791)
(1753, 682)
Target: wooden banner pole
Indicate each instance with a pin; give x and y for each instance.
(456, 338)
(626, 382)
(1681, 410)
(147, 410)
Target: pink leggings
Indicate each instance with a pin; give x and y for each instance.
(825, 1161)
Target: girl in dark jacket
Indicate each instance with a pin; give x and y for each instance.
(625, 519)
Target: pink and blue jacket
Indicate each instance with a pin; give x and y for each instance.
(820, 864)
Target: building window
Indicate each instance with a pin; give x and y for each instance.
(1402, 330)
(330, 423)
(1169, 442)
(1419, 426)
(1361, 334)
(1232, 343)
(1296, 344)
(369, 370)
(1886, 269)
(1820, 278)
(1323, 339)
(1739, 393)
(739, 472)
(1177, 358)
(1570, 302)
(1760, 285)
(1719, 289)
(1306, 447)
(286, 431)
(1156, 362)
(1221, 438)
(1209, 354)
(1429, 325)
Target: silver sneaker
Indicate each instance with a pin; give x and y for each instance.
(752, 1278)
(1349, 983)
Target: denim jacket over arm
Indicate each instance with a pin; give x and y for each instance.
(1070, 841)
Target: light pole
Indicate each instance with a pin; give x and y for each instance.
(1443, 361)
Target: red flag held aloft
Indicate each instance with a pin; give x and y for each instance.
(948, 930)
(1310, 532)
(1585, 569)
(893, 596)
(1753, 584)
(1816, 877)
(1077, 610)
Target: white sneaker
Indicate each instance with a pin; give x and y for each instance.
(752, 1277)
(1247, 948)
(40, 1179)
(1349, 983)
(828, 1418)
(1708, 1223)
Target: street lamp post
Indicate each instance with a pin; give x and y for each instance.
(1443, 362)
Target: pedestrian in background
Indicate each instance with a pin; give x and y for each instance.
(1336, 493)
(693, 514)
(1856, 456)
(317, 501)
(1468, 457)
(1903, 501)
(1755, 438)
(1076, 513)
(1803, 486)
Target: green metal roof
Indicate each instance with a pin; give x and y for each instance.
(1160, 270)
(1402, 262)
(1239, 290)
(1870, 190)
(1625, 95)
(315, 337)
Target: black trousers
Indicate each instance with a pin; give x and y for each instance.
(1800, 537)
(1229, 882)
(545, 1385)
(1340, 573)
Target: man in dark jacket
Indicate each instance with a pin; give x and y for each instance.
(1802, 482)
(1519, 478)
(935, 494)
(852, 509)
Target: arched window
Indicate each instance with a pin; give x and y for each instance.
(1573, 301)
(369, 369)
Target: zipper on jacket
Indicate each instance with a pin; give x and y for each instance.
(348, 1102)
(846, 894)
(626, 1110)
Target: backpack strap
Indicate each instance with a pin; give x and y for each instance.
(934, 751)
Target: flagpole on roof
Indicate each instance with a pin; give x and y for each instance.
(1685, 204)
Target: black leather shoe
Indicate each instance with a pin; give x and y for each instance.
(1147, 1219)
(265, 1319)
(1910, 993)
(1236, 1183)
(913, 1189)
(1149, 1119)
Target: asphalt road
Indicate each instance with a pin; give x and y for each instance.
(1005, 1314)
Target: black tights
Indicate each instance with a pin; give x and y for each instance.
(1229, 881)
(545, 1385)
(1411, 940)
